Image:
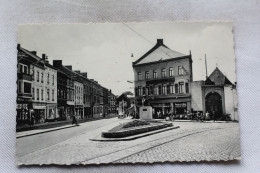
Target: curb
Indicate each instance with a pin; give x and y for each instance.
(135, 136)
(45, 131)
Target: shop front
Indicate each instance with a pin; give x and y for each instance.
(51, 112)
(23, 113)
(180, 108)
(39, 113)
(79, 111)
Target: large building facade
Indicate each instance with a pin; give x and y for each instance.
(36, 75)
(162, 80)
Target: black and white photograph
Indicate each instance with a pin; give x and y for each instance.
(124, 93)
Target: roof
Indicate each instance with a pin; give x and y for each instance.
(158, 53)
(217, 78)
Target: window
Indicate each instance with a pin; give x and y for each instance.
(27, 87)
(147, 92)
(37, 94)
(48, 94)
(181, 87)
(163, 72)
(42, 94)
(172, 89)
(139, 76)
(147, 75)
(52, 95)
(160, 89)
(38, 76)
(33, 93)
(176, 88)
(52, 79)
(139, 91)
(25, 69)
(187, 87)
(171, 71)
(180, 70)
(48, 78)
(154, 74)
(164, 90)
(151, 90)
(42, 77)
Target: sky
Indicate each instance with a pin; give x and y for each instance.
(103, 50)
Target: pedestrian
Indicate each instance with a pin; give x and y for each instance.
(214, 116)
(74, 120)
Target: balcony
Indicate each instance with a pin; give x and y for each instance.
(24, 76)
(25, 95)
(160, 80)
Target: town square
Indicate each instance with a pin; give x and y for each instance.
(115, 93)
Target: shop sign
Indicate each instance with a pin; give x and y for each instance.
(180, 105)
(39, 107)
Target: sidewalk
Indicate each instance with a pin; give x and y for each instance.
(49, 126)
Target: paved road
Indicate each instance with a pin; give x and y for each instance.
(192, 141)
(33, 143)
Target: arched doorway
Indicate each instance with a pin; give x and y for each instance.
(214, 105)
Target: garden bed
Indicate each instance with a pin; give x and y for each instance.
(133, 128)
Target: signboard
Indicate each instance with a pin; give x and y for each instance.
(39, 107)
(180, 105)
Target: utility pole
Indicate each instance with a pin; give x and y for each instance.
(206, 67)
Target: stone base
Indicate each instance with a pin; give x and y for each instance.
(146, 113)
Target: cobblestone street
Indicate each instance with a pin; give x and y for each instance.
(192, 141)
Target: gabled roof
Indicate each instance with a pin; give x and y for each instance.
(217, 78)
(158, 53)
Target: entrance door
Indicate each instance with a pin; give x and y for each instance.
(214, 105)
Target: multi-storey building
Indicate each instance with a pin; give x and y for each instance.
(62, 95)
(43, 85)
(24, 87)
(162, 80)
(112, 108)
(50, 89)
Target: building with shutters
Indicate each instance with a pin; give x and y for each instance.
(162, 79)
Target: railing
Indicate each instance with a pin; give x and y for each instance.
(24, 76)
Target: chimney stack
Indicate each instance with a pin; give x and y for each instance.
(57, 63)
(85, 74)
(77, 71)
(44, 57)
(18, 46)
(69, 67)
(34, 52)
(159, 42)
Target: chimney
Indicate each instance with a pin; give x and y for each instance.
(69, 67)
(18, 46)
(44, 57)
(77, 71)
(159, 42)
(85, 74)
(57, 63)
(34, 52)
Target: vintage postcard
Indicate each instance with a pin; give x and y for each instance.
(126, 93)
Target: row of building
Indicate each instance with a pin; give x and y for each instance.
(56, 92)
(164, 79)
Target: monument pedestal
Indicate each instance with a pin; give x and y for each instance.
(146, 113)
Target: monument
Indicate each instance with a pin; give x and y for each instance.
(145, 111)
